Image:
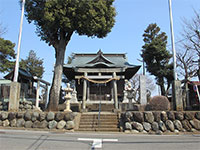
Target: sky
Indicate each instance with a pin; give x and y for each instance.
(133, 17)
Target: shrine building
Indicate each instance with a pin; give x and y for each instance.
(99, 78)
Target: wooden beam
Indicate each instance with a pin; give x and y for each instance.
(100, 77)
(102, 70)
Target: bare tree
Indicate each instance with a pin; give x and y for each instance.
(2, 28)
(185, 62)
(191, 33)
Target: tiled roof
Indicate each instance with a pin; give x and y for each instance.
(90, 60)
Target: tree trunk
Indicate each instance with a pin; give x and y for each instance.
(162, 87)
(57, 77)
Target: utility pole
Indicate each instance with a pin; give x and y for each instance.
(176, 87)
(16, 71)
(15, 87)
(172, 40)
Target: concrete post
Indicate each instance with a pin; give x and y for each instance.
(143, 90)
(14, 96)
(88, 91)
(112, 92)
(37, 95)
(46, 95)
(84, 92)
(187, 96)
(115, 91)
(177, 96)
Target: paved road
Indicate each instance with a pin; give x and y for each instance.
(40, 140)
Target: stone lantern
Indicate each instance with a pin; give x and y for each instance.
(68, 97)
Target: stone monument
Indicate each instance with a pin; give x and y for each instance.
(129, 94)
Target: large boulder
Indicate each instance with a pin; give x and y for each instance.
(148, 117)
(6, 123)
(179, 115)
(20, 115)
(13, 123)
(70, 125)
(157, 116)
(28, 115)
(195, 124)
(128, 126)
(162, 126)
(128, 116)
(59, 116)
(138, 117)
(138, 126)
(69, 116)
(52, 124)
(147, 126)
(35, 116)
(197, 115)
(155, 126)
(42, 116)
(178, 125)
(189, 115)
(170, 125)
(50, 116)
(20, 122)
(171, 115)
(164, 116)
(43, 124)
(28, 124)
(36, 124)
(186, 125)
(4, 115)
(61, 124)
(11, 116)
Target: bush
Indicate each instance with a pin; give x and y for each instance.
(160, 103)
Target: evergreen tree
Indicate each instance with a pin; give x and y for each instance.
(7, 54)
(157, 57)
(33, 64)
(57, 20)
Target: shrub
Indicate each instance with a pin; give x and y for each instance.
(160, 103)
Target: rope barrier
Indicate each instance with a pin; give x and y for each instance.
(95, 81)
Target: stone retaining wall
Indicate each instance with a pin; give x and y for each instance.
(36, 119)
(23, 106)
(160, 122)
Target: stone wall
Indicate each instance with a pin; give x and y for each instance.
(36, 119)
(160, 122)
(23, 105)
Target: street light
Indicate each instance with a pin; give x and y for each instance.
(16, 71)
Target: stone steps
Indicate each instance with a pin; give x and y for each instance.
(107, 123)
(100, 129)
(104, 107)
(96, 123)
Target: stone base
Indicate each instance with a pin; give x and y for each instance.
(134, 107)
(14, 96)
(84, 110)
(177, 96)
(67, 110)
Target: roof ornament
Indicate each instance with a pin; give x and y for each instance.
(99, 52)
